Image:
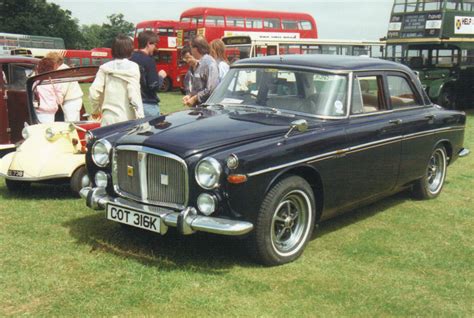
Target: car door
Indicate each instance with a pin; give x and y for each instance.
(417, 123)
(4, 136)
(16, 101)
(374, 140)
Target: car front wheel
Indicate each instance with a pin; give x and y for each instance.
(429, 187)
(285, 223)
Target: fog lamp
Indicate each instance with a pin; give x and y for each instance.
(207, 203)
(101, 179)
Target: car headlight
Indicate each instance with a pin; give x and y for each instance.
(49, 134)
(208, 172)
(25, 133)
(101, 179)
(206, 203)
(100, 152)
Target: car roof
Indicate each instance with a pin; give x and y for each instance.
(325, 62)
(18, 59)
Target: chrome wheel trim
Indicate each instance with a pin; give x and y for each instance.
(291, 223)
(436, 171)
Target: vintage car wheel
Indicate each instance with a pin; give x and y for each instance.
(167, 85)
(78, 180)
(285, 222)
(430, 185)
(447, 98)
(17, 186)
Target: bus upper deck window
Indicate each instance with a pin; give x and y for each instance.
(235, 22)
(271, 23)
(305, 25)
(251, 23)
(215, 20)
(290, 25)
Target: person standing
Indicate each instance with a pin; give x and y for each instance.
(49, 96)
(218, 53)
(115, 91)
(71, 91)
(150, 80)
(192, 63)
(206, 74)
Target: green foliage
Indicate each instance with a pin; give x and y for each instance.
(38, 17)
(103, 35)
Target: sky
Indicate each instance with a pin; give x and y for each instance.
(335, 19)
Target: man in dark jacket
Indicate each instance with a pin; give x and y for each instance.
(150, 80)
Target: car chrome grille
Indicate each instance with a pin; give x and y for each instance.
(150, 176)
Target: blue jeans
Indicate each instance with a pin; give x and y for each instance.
(151, 109)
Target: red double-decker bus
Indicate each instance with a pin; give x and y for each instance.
(166, 55)
(215, 23)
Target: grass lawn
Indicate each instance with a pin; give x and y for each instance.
(398, 257)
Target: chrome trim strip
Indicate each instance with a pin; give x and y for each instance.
(342, 152)
(143, 175)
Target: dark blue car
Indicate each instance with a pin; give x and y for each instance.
(283, 143)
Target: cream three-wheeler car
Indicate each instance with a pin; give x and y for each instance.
(53, 152)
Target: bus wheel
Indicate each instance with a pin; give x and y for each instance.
(166, 86)
(447, 98)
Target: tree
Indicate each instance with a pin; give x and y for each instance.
(38, 17)
(92, 36)
(117, 26)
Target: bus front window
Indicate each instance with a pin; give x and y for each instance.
(237, 52)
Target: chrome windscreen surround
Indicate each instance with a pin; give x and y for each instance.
(140, 183)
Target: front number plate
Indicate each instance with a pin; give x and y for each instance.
(133, 217)
(15, 173)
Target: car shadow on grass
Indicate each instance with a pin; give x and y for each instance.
(356, 215)
(38, 192)
(201, 251)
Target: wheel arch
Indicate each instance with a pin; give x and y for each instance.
(447, 146)
(311, 175)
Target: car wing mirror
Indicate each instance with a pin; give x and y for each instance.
(301, 125)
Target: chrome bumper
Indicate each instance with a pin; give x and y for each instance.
(464, 152)
(186, 221)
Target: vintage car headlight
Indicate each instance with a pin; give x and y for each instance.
(25, 133)
(101, 179)
(206, 203)
(208, 172)
(100, 152)
(49, 134)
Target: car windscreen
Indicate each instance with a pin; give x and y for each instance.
(306, 92)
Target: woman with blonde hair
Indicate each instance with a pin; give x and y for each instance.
(218, 53)
(71, 91)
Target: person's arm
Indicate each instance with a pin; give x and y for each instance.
(211, 72)
(96, 92)
(153, 81)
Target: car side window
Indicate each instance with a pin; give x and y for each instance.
(401, 93)
(17, 75)
(366, 94)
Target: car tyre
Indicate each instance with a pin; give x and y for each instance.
(167, 85)
(447, 98)
(17, 186)
(430, 186)
(285, 222)
(79, 180)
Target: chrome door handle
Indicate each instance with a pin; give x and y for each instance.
(430, 117)
(395, 121)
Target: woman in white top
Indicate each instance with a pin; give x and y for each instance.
(218, 53)
(49, 96)
(71, 92)
(115, 91)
